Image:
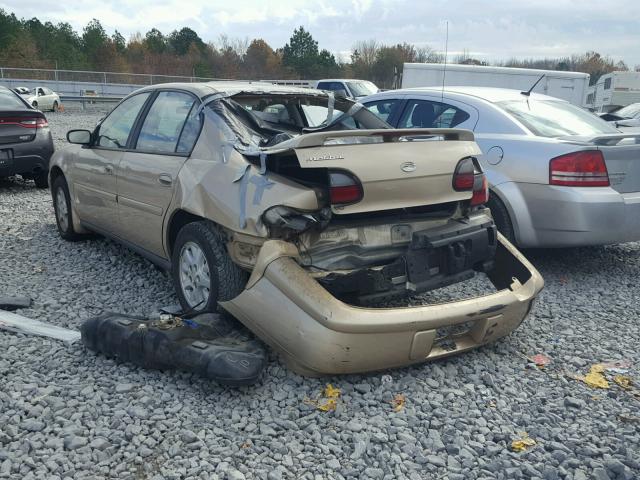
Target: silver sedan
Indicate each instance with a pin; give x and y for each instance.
(559, 176)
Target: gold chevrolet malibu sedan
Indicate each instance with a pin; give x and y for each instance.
(299, 212)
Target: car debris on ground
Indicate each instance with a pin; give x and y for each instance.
(20, 324)
(14, 303)
(206, 344)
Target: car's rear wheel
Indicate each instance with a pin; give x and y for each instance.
(55, 107)
(34, 104)
(203, 273)
(41, 180)
(62, 208)
(501, 217)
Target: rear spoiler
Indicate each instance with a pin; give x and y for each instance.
(604, 139)
(30, 112)
(318, 139)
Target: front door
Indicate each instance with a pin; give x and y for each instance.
(94, 175)
(148, 171)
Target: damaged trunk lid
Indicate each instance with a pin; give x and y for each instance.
(396, 168)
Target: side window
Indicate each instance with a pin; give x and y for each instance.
(114, 130)
(163, 125)
(429, 114)
(384, 109)
(333, 86)
(190, 131)
(40, 91)
(607, 83)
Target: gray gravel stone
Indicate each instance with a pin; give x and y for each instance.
(124, 387)
(436, 460)
(32, 425)
(234, 474)
(600, 473)
(74, 442)
(574, 402)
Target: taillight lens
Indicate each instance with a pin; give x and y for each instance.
(464, 175)
(579, 169)
(480, 190)
(344, 188)
(25, 122)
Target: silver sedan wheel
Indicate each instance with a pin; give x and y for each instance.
(195, 279)
(62, 211)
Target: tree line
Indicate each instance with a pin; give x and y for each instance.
(29, 43)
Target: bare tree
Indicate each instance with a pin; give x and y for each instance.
(426, 54)
(235, 44)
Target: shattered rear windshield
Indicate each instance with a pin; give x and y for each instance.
(268, 119)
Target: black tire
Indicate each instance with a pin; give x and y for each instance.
(65, 228)
(34, 104)
(41, 180)
(55, 107)
(226, 279)
(501, 217)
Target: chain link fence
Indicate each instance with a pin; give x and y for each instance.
(94, 77)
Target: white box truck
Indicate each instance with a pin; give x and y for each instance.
(570, 86)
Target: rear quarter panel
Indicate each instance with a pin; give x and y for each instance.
(218, 183)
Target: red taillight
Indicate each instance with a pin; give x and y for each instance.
(579, 169)
(480, 190)
(464, 175)
(344, 188)
(25, 122)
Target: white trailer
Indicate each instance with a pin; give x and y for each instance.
(614, 90)
(570, 86)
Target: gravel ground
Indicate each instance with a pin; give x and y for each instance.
(66, 413)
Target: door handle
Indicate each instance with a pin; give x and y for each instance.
(165, 179)
(108, 169)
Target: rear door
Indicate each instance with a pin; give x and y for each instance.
(43, 99)
(146, 175)
(94, 172)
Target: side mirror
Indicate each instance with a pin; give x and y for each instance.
(81, 137)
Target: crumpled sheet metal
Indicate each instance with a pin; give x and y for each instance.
(261, 183)
(219, 183)
(212, 185)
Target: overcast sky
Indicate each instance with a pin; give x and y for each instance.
(494, 30)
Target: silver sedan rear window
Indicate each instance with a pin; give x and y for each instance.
(549, 118)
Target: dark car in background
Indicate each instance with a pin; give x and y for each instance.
(25, 140)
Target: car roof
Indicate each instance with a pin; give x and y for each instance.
(203, 89)
(343, 80)
(489, 94)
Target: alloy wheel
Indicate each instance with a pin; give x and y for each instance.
(195, 279)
